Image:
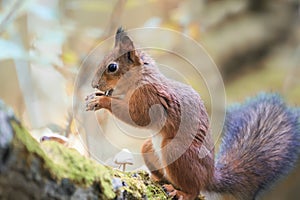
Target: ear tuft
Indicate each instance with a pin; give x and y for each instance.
(119, 34)
(123, 41)
(120, 30)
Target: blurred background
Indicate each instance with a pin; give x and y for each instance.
(254, 43)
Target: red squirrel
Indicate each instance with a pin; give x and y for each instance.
(260, 140)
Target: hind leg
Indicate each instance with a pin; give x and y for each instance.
(152, 161)
(188, 173)
(188, 186)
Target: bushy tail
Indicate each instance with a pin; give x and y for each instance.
(260, 145)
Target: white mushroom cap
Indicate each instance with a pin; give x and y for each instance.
(124, 157)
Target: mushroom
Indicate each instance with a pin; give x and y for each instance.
(123, 158)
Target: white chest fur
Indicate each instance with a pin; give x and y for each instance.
(217, 196)
(157, 143)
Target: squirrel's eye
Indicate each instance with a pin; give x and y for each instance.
(112, 67)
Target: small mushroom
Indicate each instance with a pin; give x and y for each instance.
(123, 158)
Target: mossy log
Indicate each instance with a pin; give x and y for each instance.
(30, 170)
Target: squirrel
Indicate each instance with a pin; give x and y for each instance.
(260, 143)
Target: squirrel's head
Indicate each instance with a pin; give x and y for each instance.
(119, 67)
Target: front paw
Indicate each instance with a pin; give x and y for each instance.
(95, 101)
(92, 104)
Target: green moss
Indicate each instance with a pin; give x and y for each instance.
(63, 162)
(138, 185)
(24, 138)
(70, 164)
(155, 192)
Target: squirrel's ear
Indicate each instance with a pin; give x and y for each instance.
(122, 41)
(126, 46)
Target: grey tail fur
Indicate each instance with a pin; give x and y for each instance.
(260, 145)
